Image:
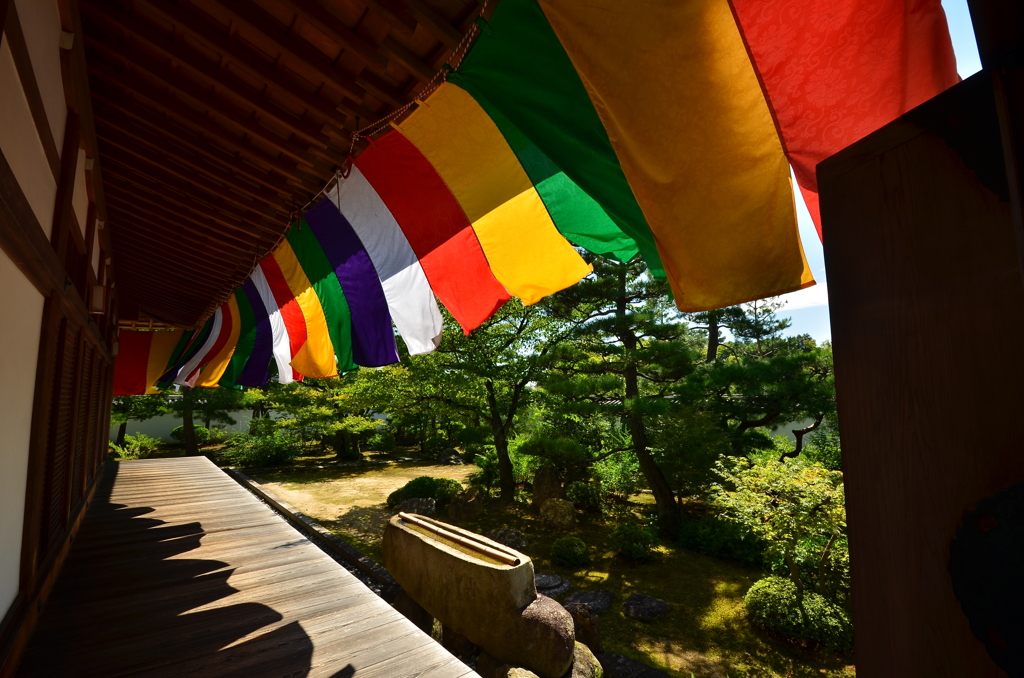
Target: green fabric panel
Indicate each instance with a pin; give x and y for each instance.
(246, 341)
(576, 215)
(518, 67)
(332, 298)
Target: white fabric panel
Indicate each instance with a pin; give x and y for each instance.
(40, 22)
(282, 343)
(190, 370)
(80, 198)
(21, 146)
(410, 299)
(21, 307)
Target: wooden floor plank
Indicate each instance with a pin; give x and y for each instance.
(178, 571)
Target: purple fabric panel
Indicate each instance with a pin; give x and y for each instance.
(255, 372)
(373, 340)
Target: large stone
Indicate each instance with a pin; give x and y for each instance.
(645, 607)
(551, 585)
(450, 457)
(519, 672)
(558, 514)
(617, 666)
(588, 631)
(458, 644)
(424, 506)
(598, 601)
(489, 667)
(510, 537)
(585, 664)
(413, 612)
(467, 506)
(547, 484)
(494, 605)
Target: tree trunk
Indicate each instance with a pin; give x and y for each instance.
(713, 328)
(188, 429)
(121, 430)
(799, 434)
(669, 515)
(499, 428)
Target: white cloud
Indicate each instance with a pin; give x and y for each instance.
(806, 298)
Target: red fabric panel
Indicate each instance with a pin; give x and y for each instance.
(131, 363)
(294, 321)
(837, 70)
(436, 227)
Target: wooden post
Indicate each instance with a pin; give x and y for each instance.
(925, 286)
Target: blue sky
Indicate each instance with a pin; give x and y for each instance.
(809, 308)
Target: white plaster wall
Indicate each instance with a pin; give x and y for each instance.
(21, 145)
(40, 21)
(80, 198)
(96, 255)
(21, 310)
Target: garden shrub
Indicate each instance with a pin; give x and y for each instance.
(381, 441)
(620, 474)
(441, 490)
(262, 426)
(570, 552)
(632, 541)
(723, 539)
(139, 446)
(775, 603)
(585, 496)
(248, 450)
(202, 434)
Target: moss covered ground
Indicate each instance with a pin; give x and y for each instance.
(706, 634)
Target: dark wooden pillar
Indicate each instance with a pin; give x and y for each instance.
(927, 305)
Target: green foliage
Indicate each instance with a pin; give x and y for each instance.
(202, 434)
(570, 552)
(138, 446)
(278, 447)
(722, 539)
(441, 490)
(488, 476)
(823, 445)
(776, 604)
(262, 426)
(381, 441)
(619, 475)
(138, 408)
(585, 496)
(633, 541)
(785, 503)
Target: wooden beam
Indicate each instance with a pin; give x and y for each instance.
(323, 20)
(410, 61)
(397, 16)
(23, 64)
(131, 89)
(63, 210)
(438, 26)
(382, 89)
(135, 28)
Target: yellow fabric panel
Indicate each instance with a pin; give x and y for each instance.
(214, 370)
(685, 113)
(160, 350)
(525, 251)
(316, 357)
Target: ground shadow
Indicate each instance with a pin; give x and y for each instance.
(124, 605)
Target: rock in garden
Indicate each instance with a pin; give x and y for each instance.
(547, 484)
(421, 506)
(457, 644)
(510, 537)
(489, 667)
(598, 601)
(520, 673)
(558, 513)
(467, 506)
(551, 585)
(545, 640)
(617, 666)
(645, 607)
(585, 664)
(588, 632)
(450, 457)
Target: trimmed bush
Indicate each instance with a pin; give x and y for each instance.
(202, 434)
(585, 496)
(570, 552)
(722, 539)
(774, 603)
(632, 541)
(441, 490)
(268, 450)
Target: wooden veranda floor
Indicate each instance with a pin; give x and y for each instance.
(178, 571)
